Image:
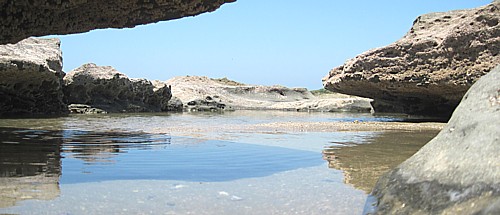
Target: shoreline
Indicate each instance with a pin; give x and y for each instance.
(224, 132)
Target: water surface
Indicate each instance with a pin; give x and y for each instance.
(116, 164)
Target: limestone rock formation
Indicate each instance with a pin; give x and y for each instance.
(20, 19)
(457, 172)
(196, 90)
(428, 70)
(207, 104)
(105, 88)
(31, 78)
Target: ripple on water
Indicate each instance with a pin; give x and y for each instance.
(90, 156)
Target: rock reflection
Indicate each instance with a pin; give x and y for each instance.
(101, 147)
(31, 160)
(30, 165)
(363, 163)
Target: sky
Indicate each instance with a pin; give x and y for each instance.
(293, 43)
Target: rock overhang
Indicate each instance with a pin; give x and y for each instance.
(20, 19)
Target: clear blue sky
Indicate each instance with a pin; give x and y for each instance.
(288, 42)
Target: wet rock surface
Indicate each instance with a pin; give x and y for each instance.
(105, 88)
(24, 18)
(429, 70)
(31, 78)
(225, 94)
(457, 172)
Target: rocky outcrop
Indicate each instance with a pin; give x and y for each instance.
(428, 70)
(20, 19)
(105, 88)
(207, 104)
(458, 172)
(31, 78)
(202, 93)
(175, 105)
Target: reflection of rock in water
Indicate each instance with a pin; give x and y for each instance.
(101, 147)
(364, 163)
(30, 165)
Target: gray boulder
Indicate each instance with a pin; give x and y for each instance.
(31, 78)
(175, 105)
(458, 172)
(428, 71)
(105, 88)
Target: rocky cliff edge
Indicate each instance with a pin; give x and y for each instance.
(429, 70)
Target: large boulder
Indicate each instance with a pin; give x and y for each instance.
(457, 172)
(20, 19)
(31, 78)
(105, 88)
(429, 70)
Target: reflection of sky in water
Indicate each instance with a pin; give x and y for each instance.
(204, 161)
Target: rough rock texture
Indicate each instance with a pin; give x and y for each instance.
(175, 105)
(231, 94)
(105, 88)
(428, 70)
(84, 109)
(458, 172)
(207, 104)
(31, 78)
(20, 19)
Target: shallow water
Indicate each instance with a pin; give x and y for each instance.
(117, 164)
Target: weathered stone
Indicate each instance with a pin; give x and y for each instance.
(84, 109)
(255, 97)
(31, 78)
(175, 105)
(105, 88)
(457, 172)
(208, 104)
(20, 19)
(428, 70)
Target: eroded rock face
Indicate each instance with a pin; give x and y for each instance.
(20, 19)
(31, 78)
(105, 88)
(428, 70)
(226, 94)
(458, 172)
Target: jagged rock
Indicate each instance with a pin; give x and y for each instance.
(429, 70)
(254, 97)
(162, 94)
(175, 105)
(84, 109)
(31, 78)
(208, 104)
(20, 19)
(105, 88)
(457, 172)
